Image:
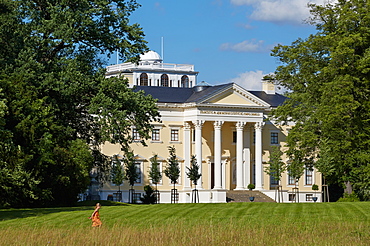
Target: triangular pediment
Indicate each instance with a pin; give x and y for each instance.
(234, 95)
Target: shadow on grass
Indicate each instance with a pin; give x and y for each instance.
(17, 213)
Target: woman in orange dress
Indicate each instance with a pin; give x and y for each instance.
(95, 217)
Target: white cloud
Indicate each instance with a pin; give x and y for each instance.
(250, 80)
(279, 11)
(253, 45)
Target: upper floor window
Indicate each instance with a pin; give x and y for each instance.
(155, 135)
(174, 135)
(164, 80)
(135, 134)
(274, 138)
(144, 79)
(185, 81)
(138, 171)
(291, 180)
(308, 176)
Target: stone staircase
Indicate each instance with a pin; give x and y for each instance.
(243, 196)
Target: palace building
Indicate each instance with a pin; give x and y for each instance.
(224, 126)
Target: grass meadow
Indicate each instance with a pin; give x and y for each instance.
(191, 224)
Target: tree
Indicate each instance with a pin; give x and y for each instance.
(117, 176)
(155, 175)
(172, 171)
(131, 173)
(327, 76)
(194, 175)
(193, 172)
(276, 168)
(154, 172)
(60, 106)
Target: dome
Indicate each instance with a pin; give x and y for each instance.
(151, 56)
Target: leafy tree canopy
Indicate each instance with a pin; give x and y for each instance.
(327, 76)
(58, 105)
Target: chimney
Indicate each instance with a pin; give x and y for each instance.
(268, 86)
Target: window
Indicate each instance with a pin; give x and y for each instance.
(274, 138)
(155, 135)
(273, 181)
(135, 134)
(138, 171)
(291, 180)
(234, 136)
(309, 197)
(144, 79)
(308, 176)
(291, 197)
(174, 135)
(164, 80)
(185, 81)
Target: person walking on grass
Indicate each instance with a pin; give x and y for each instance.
(95, 217)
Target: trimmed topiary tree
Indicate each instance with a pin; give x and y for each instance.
(194, 175)
(172, 171)
(155, 175)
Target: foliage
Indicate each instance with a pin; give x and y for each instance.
(315, 187)
(149, 196)
(172, 170)
(349, 198)
(154, 172)
(131, 174)
(327, 76)
(59, 106)
(117, 175)
(251, 186)
(276, 166)
(193, 172)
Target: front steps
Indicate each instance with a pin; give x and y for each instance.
(243, 196)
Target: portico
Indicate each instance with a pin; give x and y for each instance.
(244, 167)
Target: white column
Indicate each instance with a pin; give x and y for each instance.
(187, 154)
(258, 155)
(247, 157)
(198, 124)
(239, 155)
(217, 154)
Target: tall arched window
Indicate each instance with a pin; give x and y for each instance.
(144, 79)
(185, 81)
(164, 80)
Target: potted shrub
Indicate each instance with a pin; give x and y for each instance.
(315, 187)
(251, 187)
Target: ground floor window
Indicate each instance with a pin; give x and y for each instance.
(309, 197)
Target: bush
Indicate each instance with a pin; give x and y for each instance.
(149, 196)
(251, 186)
(349, 198)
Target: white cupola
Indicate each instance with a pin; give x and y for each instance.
(150, 57)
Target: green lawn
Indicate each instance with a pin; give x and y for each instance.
(192, 224)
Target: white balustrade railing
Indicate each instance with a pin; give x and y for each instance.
(162, 66)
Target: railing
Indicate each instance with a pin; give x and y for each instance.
(161, 66)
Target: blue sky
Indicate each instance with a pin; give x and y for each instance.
(226, 40)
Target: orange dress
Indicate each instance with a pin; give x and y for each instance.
(96, 222)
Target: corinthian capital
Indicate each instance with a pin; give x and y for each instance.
(198, 123)
(217, 124)
(259, 125)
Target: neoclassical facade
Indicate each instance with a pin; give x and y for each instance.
(224, 126)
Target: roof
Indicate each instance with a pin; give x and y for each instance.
(195, 94)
